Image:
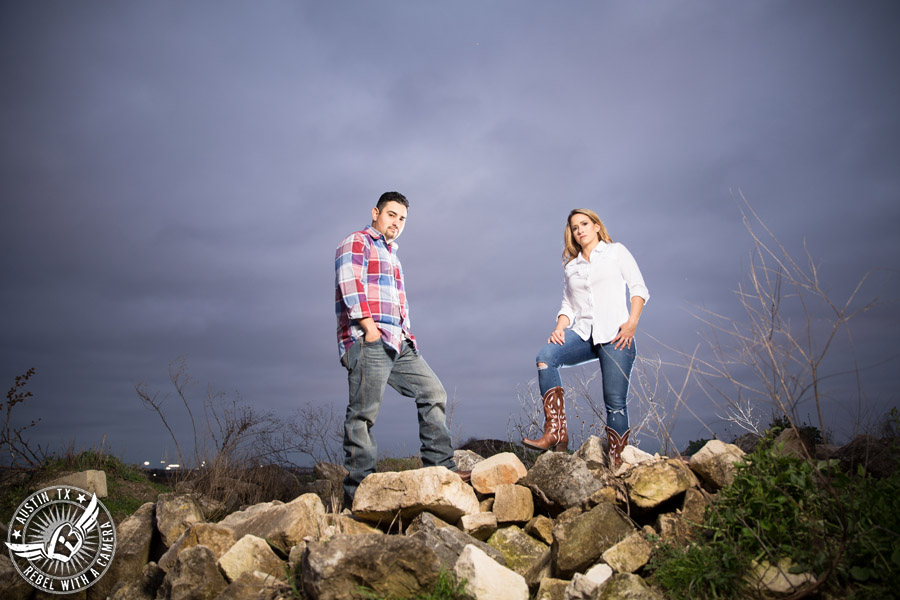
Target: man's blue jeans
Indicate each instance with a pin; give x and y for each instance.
(371, 366)
(615, 369)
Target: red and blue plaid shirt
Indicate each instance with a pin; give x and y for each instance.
(369, 283)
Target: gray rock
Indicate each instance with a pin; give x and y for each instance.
(246, 586)
(400, 566)
(525, 555)
(627, 586)
(282, 525)
(488, 580)
(580, 541)
(194, 576)
(714, 463)
(560, 481)
(466, 459)
(593, 453)
(385, 497)
(175, 513)
(134, 538)
(446, 541)
(248, 555)
(142, 588)
(214, 536)
(651, 484)
(92, 481)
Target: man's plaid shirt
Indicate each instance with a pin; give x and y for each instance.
(369, 283)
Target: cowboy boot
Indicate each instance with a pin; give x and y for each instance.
(555, 435)
(617, 443)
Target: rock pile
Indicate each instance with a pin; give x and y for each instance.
(568, 528)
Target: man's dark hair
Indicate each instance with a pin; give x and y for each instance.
(391, 197)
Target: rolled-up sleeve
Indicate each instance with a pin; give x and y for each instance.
(566, 308)
(632, 274)
(351, 263)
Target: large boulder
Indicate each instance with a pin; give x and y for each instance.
(715, 461)
(651, 484)
(627, 585)
(92, 481)
(513, 504)
(214, 536)
(525, 555)
(560, 481)
(628, 555)
(580, 541)
(248, 555)
(384, 497)
(488, 580)
(175, 513)
(391, 566)
(500, 469)
(195, 575)
(447, 541)
(134, 538)
(282, 525)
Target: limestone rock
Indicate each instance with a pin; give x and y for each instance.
(628, 555)
(391, 565)
(247, 585)
(195, 575)
(524, 554)
(513, 503)
(488, 580)
(282, 525)
(593, 453)
(250, 554)
(693, 511)
(651, 484)
(583, 587)
(92, 481)
(632, 455)
(330, 472)
(144, 587)
(134, 537)
(500, 469)
(386, 496)
(552, 589)
(175, 513)
(579, 542)
(798, 444)
(560, 481)
(540, 528)
(446, 541)
(714, 463)
(466, 459)
(627, 585)
(480, 525)
(777, 581)
(12, 585)
(338, 523)
(214, 536)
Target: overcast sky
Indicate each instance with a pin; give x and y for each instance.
(176, 176)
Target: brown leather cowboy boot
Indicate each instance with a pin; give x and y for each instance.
(555, 435)
(617, 443)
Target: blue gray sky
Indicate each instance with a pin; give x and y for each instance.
(175, 177)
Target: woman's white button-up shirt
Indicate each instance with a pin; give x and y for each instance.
(594, 292)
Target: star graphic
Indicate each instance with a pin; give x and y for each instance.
(16, 533)
(81, 498)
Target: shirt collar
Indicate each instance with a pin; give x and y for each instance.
(377, 235)
(600, 247)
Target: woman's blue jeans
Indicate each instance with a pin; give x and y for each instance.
(370, 367)
(615, 369)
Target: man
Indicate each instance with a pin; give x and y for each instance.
(377, 347)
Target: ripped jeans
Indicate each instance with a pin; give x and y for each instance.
(615, 369)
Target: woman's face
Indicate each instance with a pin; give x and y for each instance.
(584, 231)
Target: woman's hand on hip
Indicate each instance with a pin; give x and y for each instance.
(625, 336)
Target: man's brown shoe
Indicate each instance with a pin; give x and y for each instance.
(466, 476)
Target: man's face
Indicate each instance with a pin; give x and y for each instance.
(389, 220)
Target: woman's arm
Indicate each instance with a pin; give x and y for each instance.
(629, 327)
(559, 334)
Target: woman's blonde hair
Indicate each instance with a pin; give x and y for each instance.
(572, 248)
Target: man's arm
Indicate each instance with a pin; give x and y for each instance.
(351, 264)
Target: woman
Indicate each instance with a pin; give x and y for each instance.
(593, 323)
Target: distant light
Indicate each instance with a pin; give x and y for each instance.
(173, 466)
(146, 463)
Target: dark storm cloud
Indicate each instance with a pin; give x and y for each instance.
(176, 177)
